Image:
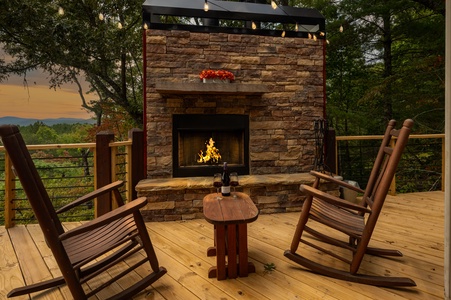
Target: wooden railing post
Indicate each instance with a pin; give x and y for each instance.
(330, 145)
(10, 194)
(103, 204)
(137, 163)
(443, 164)
(336, 156)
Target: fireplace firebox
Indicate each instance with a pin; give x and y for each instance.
(202, 143)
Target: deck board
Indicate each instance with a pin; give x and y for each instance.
(412, 223)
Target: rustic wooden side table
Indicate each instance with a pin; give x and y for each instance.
(230, 216)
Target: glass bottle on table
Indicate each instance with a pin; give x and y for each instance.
(225, 188)
(234, 182)
(217, 183)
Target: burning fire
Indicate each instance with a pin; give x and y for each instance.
(212, 153)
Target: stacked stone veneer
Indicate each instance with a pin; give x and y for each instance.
(281, 119)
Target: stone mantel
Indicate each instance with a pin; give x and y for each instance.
(167, 87)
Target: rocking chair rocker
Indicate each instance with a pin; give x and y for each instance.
(355, 221)
(90, 249)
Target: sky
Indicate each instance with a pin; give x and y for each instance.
(38, 101)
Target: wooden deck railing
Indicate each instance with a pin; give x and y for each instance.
(125, 160)
(109, 164)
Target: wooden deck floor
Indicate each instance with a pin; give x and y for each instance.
(412, 223)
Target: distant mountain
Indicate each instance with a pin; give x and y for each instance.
(48, 122)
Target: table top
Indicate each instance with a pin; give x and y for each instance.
(229, 209)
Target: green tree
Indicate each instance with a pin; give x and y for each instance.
(387, 62)
(46, 135)
(29, 132)
(74, 133)
(97, 40)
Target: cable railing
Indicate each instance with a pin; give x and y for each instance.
(72, 170)
(69, 171)
(421, 167)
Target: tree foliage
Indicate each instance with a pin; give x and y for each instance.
(39, 133)
(387, 62)
(97, 40)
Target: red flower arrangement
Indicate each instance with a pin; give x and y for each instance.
(216, 74)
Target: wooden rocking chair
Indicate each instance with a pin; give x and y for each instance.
(90, 249)
(355, 221)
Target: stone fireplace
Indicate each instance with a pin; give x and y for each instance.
(262, 122)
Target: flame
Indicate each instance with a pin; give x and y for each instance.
(212, 153)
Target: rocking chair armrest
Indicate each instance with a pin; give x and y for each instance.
(332, 199)
(94, 194)
(120, 212)
(336, 181)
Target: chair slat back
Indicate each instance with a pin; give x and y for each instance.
(386, 163)
(31, 181)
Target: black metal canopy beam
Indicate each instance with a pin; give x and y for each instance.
(226, 10)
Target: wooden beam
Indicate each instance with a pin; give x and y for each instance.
(103, 204)
(447, 154)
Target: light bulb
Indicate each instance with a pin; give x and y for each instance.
(283, 33)
(314, 37)
(296, 28)
(206, 5)
(101, 17)
(145, 26)
(254, 26)
(341, 28)
(119, 25)
(322, 33)
(60, 11)
(309, 36)
(273, 4)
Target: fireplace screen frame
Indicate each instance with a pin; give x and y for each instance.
(208, 122)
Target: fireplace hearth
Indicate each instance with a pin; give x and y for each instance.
(193, 134)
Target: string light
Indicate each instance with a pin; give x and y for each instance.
(119, 25)
(60, 11)
(145, 26)
(341, 28)
(101, 17)
(254, 25)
